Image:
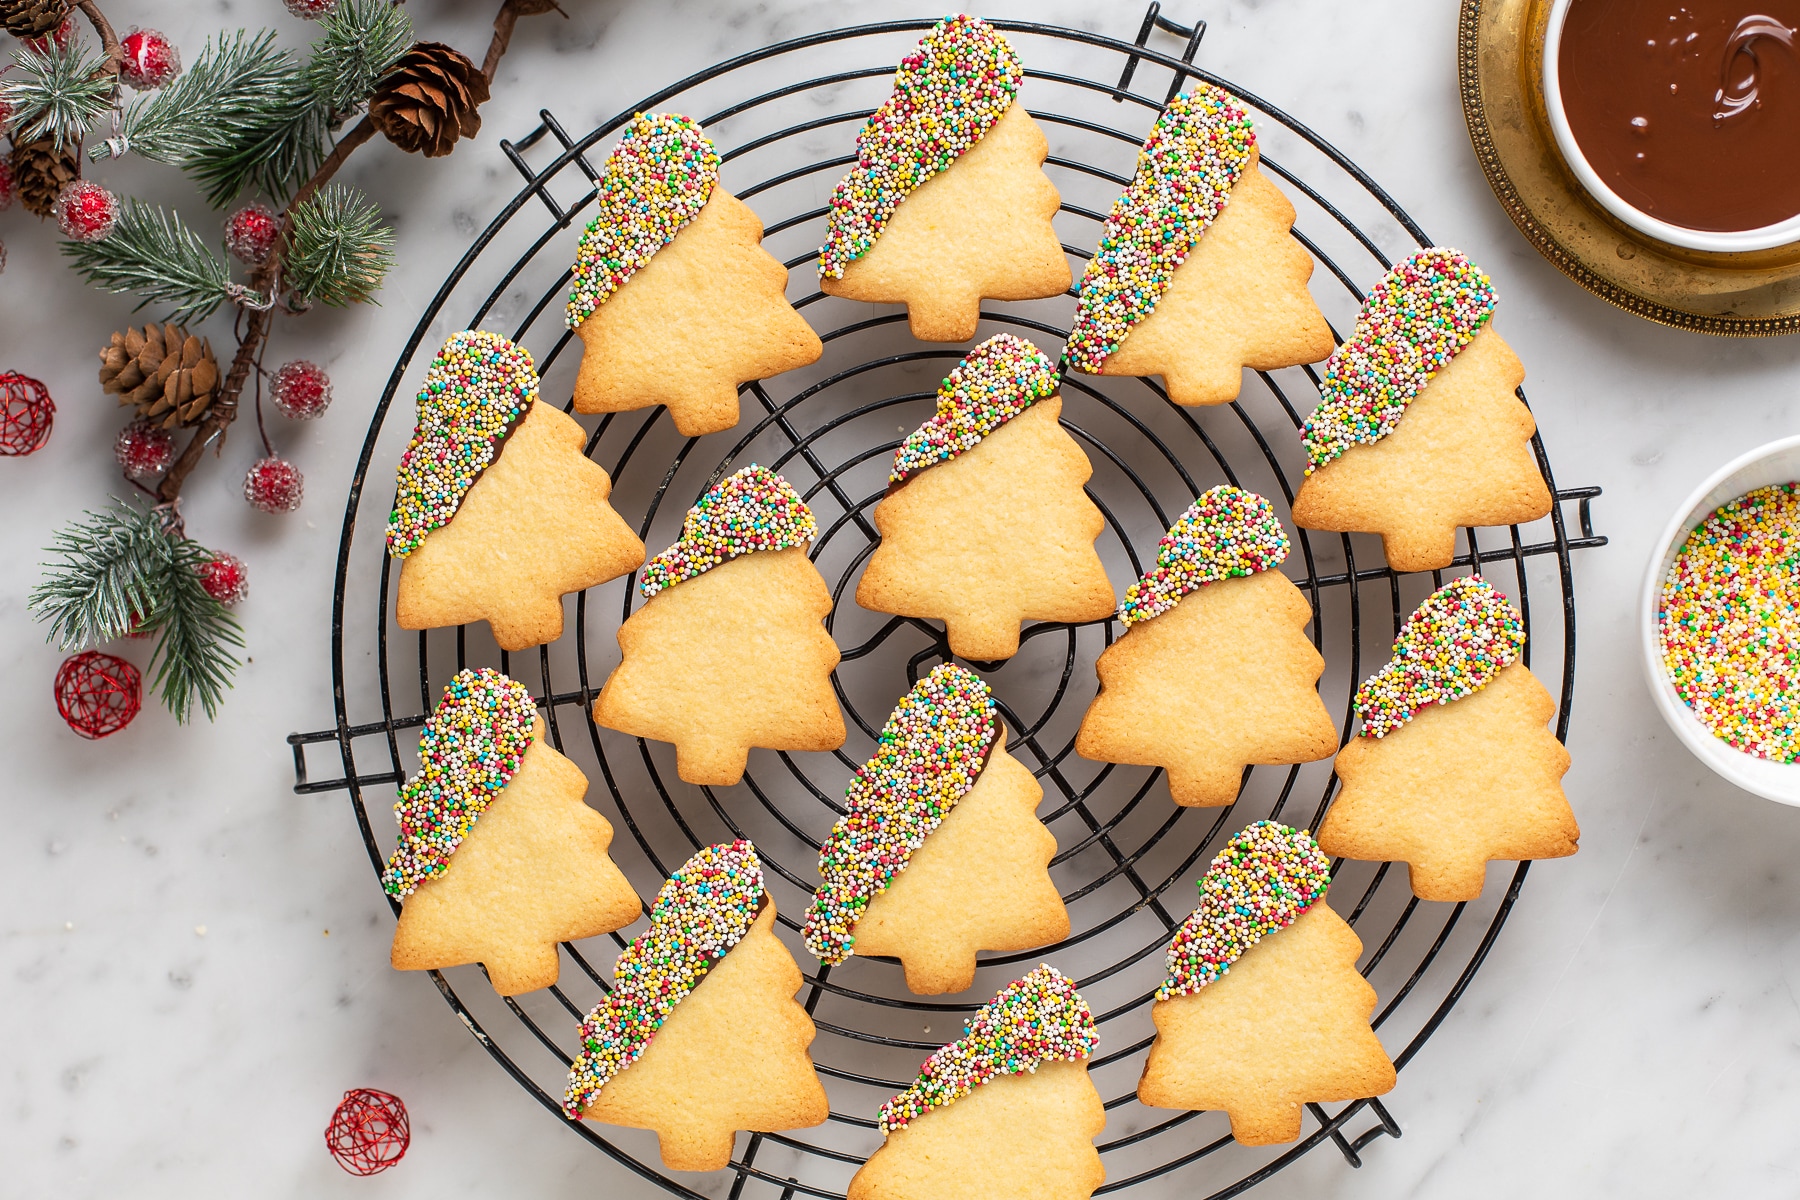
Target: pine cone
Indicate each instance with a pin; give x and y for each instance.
(41, 172)
(32, 18)
(167, 372)
(429, 99)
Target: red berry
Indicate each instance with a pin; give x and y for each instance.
(251, 233)
(311, 10)
(86, 211)
(302, 390)
(225, 578)
(144, 448)
(60, 38)
(274, 485)
(150, 61)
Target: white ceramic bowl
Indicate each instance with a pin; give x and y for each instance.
(1734, 242)
(1777, 462)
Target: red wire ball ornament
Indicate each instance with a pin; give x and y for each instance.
(86, 211)
(97, 694)
(251, 233)
(26, 411)
(369, 1131)
(274, 485)
(150, 60)
(302, 390)
(225, 578)
(144, 448)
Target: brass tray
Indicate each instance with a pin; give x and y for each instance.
(1500, 73)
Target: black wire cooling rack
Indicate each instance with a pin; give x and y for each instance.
(785, 118)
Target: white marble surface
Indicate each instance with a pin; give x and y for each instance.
(194, 958)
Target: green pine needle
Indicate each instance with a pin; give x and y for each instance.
(60, 92)
(362, 41)
(234, 86)
(274, 156)
(152, 254)
(193, 660)
(338, 249)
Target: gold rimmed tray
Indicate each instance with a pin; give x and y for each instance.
(1500, 74)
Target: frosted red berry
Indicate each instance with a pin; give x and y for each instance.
(225, 578)
(251, 233)
(150, 60)
(144, 448)
(302, 390)
(86, 211)
(7, 190)
(59, 39)
(274, 485)
(311, 10)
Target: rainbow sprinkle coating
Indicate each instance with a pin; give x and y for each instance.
(703, 910)
(473, 741)
(1729, 623)
(1262, 881)
(930, 753)
(656, 180)
(947, 93)
(997, 381)
(755, 509)
(476, 392)
(1418, 318)
(1040, 1018)
(1451, 647)
(1185, 172)
(1226, 533)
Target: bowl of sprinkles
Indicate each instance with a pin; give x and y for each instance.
(1721, 617)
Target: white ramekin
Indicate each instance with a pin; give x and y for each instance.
(1777, 462)
(1736, 241)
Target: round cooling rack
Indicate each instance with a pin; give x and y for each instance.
(1128, 858)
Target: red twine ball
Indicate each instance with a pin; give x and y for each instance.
(144, 448)
(98, 694)
(86, 211)
(302, 390)
(311, 10)
(225, 578)
(274, 485)
(251, 233)
(60, 37)
(26, 410)
(369, 1132)
(150, 60)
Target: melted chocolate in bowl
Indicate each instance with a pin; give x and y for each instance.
(1689, 111)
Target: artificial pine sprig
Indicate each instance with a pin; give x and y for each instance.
(59, 92)
(338, 249)
(151, 253)
(232, 87)
(193, 660)
(360, 42)
(286, 145)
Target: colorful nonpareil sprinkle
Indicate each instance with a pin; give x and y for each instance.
(476, 391)
(655, 181)
(1040, 1018)
(1729, 623)
(947, 93)
(473, 742)
(930, 753)
(703, 910)
(998, 380)
(1185, 172)
(1419, 317)
(1224, 534)
(1262, 880)
(756, 509)
(1452, 646)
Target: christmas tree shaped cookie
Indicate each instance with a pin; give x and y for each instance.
(1197, 275)
(1263, 1010)
(730, 649)
(700, 1036)
(1005, 1113)
(1213, 672)
(941, 853)
(499, 537)
(985, 523)
(673, 296)
(1424, 349)
(499, 859)
(1456, 764)
(948, 203)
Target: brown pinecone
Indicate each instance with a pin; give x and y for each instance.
(429, 99)
(170, 374)
(32, 18)
(41, 171)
